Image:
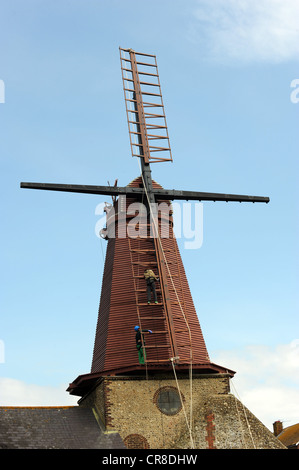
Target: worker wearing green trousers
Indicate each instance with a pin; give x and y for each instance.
(140, 344)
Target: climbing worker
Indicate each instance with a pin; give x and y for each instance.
(140, 343)
(151, 278)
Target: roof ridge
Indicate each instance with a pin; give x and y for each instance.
(35, 407)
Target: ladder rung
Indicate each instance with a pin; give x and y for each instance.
(139, 263)
(158, 149)
(134, 122)
(144, 290)
(135, 52)
(166, 250)
(129, 89)
(131, 100)
(158, 346)
(150, 94)
(144, 63)
(154, 126)
(147, 73)
(142, 53)
(152, 105)
(142, 83)
(156, 137)
(140, 250)
(152, 318)
(154, 361)
(143, 304)
(153, 115)
(127, 70)
(157, 159)
(134, 132)
(149, 83)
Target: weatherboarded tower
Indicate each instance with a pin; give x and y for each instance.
(178, 398)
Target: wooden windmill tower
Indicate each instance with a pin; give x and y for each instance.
(136, 242)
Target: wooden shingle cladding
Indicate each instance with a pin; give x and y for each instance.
(126, 259)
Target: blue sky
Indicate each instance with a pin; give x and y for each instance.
(226, 70)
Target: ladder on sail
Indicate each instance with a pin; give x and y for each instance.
(147, 123)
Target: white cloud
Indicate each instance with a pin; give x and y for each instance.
(17, 393)
(267, 380)
(246, 30)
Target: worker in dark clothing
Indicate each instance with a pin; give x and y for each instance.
(151, 279)
(140, 343)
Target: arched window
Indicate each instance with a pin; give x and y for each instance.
(136, 441)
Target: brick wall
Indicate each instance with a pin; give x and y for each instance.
(210, 430)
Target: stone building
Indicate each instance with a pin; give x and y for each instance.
(154, 412)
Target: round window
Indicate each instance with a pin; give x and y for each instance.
(168, 400)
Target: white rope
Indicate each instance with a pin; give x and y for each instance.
(245, 414)
(240, 423)
(181, 398)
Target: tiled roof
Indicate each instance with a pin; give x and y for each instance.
(290, 435)
(53, 428)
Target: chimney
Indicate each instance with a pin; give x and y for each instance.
(277, 427)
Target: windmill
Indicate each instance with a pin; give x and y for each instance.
(177, 340)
